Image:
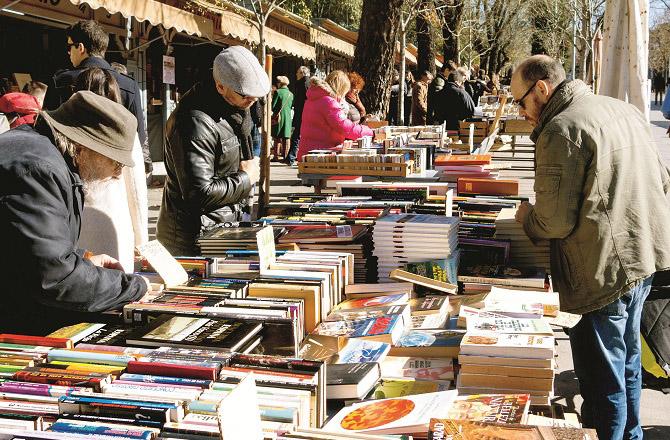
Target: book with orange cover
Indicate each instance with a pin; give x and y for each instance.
(462, 159)
(491, 187)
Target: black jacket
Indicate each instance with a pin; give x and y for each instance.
(65, 81)
(46, 283)
(204, 184)
(456, 105)
(435, 106)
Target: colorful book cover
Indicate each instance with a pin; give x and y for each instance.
(493, 408)
(513, 345)
(360, 328)
(509, 325)
(507, 275)
(375, 301)
(393, 388)
(430, 338)
(360, 350)
(392, 416)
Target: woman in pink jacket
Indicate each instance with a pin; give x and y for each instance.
(324, 118)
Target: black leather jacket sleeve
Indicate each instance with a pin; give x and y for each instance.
(39, 222)
(204, 189)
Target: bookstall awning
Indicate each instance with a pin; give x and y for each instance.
(242, 29)
(156, 13)
(332, 42)
(626, 52)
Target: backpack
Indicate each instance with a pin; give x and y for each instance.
(655, 331)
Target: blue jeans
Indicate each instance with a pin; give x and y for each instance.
(606, 353)
(256, 141)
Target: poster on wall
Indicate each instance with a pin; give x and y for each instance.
(168, 69)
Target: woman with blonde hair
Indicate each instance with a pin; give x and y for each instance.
(324, 122)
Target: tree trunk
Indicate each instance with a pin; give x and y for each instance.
(375, 52)
(403, 72)
(425, 59)
(451, 20)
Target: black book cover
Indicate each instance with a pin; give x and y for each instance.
(195, 331)
(110, 334)
(348, 374)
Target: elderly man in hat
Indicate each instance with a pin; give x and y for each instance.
(208, 155)
(46, 281)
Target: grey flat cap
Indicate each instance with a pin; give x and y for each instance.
(236, 67)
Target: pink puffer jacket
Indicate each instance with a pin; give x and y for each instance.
(324, 122)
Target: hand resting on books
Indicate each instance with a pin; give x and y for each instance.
(522, 212)
(104, 260)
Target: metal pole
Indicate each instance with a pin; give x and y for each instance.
(401, 84)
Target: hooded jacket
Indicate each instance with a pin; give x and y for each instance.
(324, 120)
(601, 197)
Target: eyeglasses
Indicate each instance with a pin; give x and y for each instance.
(519, 101)
(243, 96)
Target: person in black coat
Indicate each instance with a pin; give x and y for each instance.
(47, 282)
(209, 151)
(457, 103)
(299, 90)
(87, 43)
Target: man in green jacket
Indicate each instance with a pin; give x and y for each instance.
(602, 199)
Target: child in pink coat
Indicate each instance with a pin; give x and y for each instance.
(324, 118)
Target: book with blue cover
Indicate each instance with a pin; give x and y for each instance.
(384, 329)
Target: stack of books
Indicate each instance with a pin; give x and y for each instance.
(217, 242)
(523, 251)
(411, 238)
(451, 167)
(353, 239)
(507, 355)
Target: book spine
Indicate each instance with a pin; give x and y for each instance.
(89, 357)
(168, 380)
(44, 341)
(38, 389)
(163, 369)
(109, 419)
(93, 430)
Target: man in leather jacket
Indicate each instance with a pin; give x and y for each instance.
(87, 43)
(208, 156)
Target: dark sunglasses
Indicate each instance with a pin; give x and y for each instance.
(519, 101)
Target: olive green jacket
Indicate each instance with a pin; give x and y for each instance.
(601, 197)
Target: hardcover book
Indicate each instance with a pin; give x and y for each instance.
(351, 381)
(508, 345)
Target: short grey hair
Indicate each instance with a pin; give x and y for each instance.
(304, 70)
(541, 67)
(456, 76)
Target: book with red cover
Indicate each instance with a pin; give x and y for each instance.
(491, 187)
(462, 159)
(42, 341)
(175, 370)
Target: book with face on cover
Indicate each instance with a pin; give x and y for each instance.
(408, 414)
